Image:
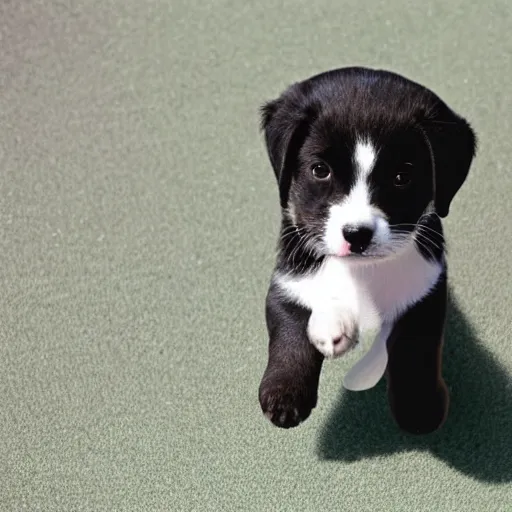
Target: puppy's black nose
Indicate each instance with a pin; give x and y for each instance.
(359, 237)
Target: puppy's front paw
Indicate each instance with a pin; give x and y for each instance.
(286, 403)
(333, 333)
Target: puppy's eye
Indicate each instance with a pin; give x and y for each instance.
(321, 172)
(403, 178)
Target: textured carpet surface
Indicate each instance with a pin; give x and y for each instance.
(138, 216)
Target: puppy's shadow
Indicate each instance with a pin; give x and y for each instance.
(477, 436)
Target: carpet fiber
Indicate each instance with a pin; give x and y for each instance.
(138, 220)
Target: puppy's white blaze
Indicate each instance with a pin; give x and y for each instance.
(372, 295)
(356, 208)
(357, 204)
(364, 157)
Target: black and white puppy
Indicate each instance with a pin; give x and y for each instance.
(367, 162)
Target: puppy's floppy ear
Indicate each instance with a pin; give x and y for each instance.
(286, 126)
(453, 144)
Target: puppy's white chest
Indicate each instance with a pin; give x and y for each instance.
(370, 293)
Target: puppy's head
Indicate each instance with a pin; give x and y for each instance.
(360, 156)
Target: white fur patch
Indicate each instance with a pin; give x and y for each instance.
(345, 292)
(364, 157)
(333, 331)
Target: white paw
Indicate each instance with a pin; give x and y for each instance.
(332, 333)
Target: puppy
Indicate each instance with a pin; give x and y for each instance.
(367, 163)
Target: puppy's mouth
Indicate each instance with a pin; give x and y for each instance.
(366, 254)
(375, 249)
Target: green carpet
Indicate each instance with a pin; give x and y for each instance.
(138, 220)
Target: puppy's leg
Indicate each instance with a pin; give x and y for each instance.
(417, 393)
(288, 390)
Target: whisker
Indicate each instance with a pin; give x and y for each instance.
(422, 244)
(438, 122)
(417, 226)
(297, 249)
(429, 240)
